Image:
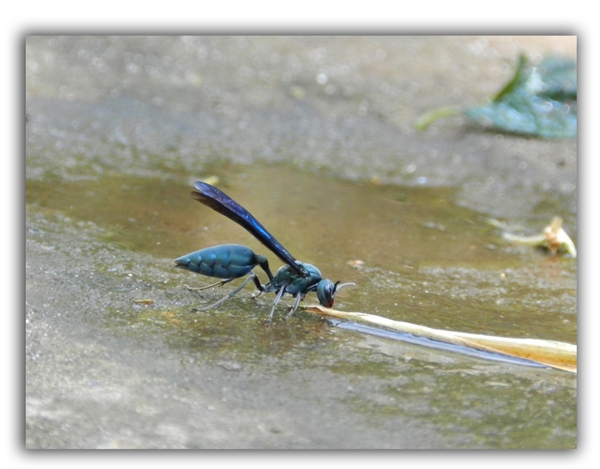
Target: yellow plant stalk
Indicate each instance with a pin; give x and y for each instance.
(551, 353)
(554, 237)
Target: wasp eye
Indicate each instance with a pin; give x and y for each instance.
(326, 292)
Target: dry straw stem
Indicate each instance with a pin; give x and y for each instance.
(554, 237)
(551, 353)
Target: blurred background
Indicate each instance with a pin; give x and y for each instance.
(316, 137)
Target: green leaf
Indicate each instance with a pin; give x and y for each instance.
(516, 81)
(538, 101)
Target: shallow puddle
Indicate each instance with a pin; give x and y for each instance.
(414, 254)
(118, 128)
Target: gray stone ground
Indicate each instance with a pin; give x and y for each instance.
(101, 373)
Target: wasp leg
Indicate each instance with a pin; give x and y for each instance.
(277, 298)
(257, 294)
(231, 294)
(219, 283)
(299, 298)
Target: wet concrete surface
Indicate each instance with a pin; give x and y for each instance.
(315, 136)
